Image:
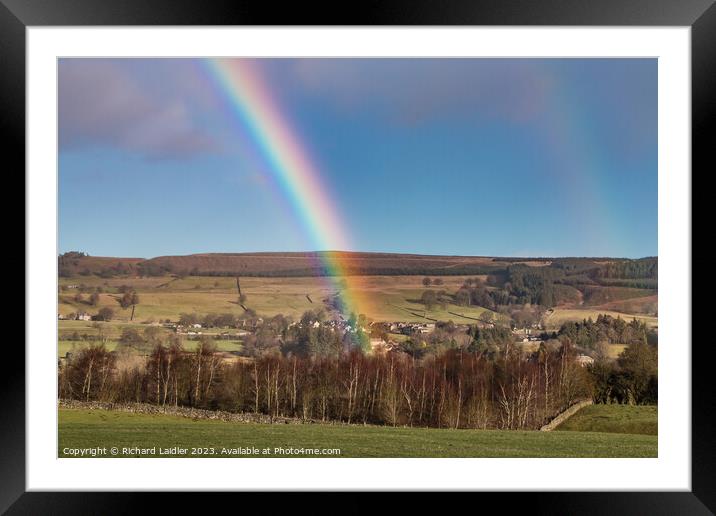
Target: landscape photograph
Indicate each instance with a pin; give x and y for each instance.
(357, 258)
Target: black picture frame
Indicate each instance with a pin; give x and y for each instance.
(700, 15)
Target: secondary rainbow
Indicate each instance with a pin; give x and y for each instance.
(292, 168)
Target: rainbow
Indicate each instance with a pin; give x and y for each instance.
(293, 170)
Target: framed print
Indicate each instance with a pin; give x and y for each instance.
(414, 252)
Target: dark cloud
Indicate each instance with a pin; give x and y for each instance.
(420, 90)
(121, 104)
(169, 108)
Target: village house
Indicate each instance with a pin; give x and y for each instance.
(527, 335)
(426, 328)
(410, 328)
(83, 316)
(227, 335)
(379, 346)
(584, 360)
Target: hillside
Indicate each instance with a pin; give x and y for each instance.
(279, 264)
(79, 264)
(313, 264)
(612, 284)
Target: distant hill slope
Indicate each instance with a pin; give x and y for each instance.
(278, 264)
(79, 264)
(311, 264)
(314, 264)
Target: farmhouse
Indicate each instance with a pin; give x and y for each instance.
(378, 345)
(236, 334)
(584, 360)
(411, 328)
(83, 316)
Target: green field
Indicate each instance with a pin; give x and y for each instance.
(79, 428)
(624, 419)
(74, 346)
(559, 316)
(382, 298)
(385, 298)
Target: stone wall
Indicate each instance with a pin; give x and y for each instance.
(563, 416)
(249, 417)
(194, 413)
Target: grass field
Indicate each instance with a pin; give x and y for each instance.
(98, 428)
(614, 350)
(623, 419)
(388, 298)
(562, 315)
(74, 346)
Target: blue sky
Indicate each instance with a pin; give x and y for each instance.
(501, 157)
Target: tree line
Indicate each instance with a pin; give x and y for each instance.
(614, 330)
(459, 388)
(454, 390)
(630, 269)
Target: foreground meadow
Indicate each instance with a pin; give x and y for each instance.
(622, 419)
(79, 428)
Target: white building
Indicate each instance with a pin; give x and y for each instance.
(584, 360)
